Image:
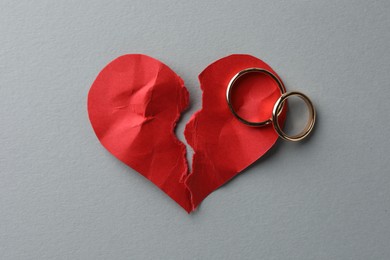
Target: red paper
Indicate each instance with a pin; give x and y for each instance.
(136, 100)
(133, 106)
(223, 145)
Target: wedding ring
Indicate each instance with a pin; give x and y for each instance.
(232, 84)
(310, 123)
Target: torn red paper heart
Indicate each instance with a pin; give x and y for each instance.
(134, 105)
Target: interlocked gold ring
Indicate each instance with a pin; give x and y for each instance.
(278, 107)
(310, 124)
(232, 84)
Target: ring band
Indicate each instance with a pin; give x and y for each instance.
(232, 84)
(310, 124)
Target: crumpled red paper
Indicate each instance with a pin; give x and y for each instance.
(136, 100)
(133, 106)
(223, 146)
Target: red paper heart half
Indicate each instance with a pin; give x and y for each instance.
(134, 105)
(223, 146)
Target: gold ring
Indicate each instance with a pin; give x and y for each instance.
(231, 85)
(310, 124)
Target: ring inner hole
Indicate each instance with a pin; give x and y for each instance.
(298, 117)
(254, 95)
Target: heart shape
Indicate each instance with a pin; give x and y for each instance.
(136, 101)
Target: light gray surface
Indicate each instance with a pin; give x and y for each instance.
(62, 196)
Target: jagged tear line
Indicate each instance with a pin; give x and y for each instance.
(193, 119)
(186, 173)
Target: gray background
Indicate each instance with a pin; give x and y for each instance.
(63, 196)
